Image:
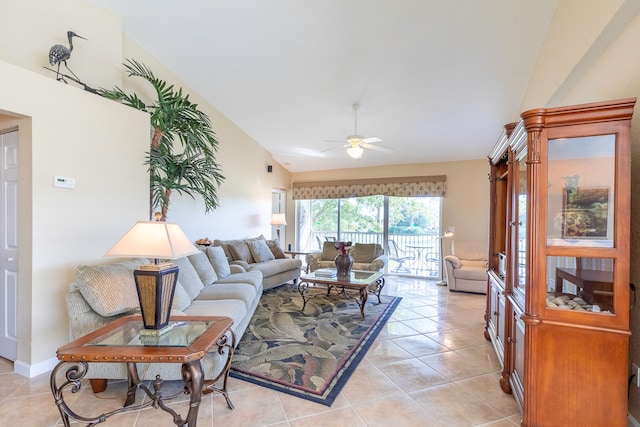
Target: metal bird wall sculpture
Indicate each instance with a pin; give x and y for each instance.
(60, 54)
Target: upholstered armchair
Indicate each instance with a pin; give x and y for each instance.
(366, 256)
(466, 267)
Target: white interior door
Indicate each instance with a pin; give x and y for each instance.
(9, 247)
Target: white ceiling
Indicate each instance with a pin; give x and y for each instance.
(436, 79)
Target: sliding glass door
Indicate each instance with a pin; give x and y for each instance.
(407, 227)
(413, 231)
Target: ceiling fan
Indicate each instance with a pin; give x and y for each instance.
(356, 144)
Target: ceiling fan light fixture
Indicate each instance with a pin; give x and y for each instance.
(354, 139)
(355, 152)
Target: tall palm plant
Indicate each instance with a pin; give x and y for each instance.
(188, 168)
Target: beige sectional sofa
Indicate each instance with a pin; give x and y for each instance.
(366, 256)
(263, 255)
(207, 285)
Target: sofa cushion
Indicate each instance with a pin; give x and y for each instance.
(188, 277)
(329, 251)
(181, 298)
(471, 273)
(276, 266)
(240, 252)
(364, 252)
(109, 289)
(203, 267)
(236, 291)
(219, 261)
(253, 277)
(276, 250)
(233, 308)
(260, 251)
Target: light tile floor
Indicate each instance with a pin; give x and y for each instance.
(430, 366)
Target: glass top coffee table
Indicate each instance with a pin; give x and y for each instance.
(364, 282)
(124, 341)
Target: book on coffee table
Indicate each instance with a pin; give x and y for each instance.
(326, 272)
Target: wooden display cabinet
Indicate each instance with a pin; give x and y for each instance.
(558, 313)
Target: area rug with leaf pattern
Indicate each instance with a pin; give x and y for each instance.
(308, 354)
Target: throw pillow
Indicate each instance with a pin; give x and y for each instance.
(240, 252)
(329, 251)
(276, 250)
(109, 289)
(188, 277)
(260, 250)
(225, 245)
(364, 252)
(219, 261)
(203, 267)
(181, 298)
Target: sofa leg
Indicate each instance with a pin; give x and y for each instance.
(98, 385)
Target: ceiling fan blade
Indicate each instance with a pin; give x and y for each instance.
(335, 148)
(371, 139)
(335, 140)
(304, 152)
(378, 148)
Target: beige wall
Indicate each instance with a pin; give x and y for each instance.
(595, 61)
(466, 206)
(66, 131)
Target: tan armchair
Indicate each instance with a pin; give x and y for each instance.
(466, 267)
(366, 256)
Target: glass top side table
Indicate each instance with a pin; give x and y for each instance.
(123, 341)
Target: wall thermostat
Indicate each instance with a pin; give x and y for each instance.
(64, 182)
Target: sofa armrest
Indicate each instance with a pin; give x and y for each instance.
(379, 263)
(237, 268)
(242, 264)
(453, 260)
(312, 260)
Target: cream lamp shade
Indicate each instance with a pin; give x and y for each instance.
(278, 219)
(153, 239)
(155, 283)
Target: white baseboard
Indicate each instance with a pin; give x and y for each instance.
(30, 371)
(632, 422)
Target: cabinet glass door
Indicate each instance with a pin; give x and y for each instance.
(522, 225)
(580, 191)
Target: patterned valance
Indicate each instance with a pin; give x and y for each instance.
(413, 186)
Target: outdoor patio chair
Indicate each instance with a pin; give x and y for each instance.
(400, 256)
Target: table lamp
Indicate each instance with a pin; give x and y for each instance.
(443, 281)
(278, 219)
(155, 283)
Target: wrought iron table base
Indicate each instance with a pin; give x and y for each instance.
(191, 372)
(361, 298)
(192, 375)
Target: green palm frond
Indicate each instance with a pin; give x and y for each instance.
(182, 156)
